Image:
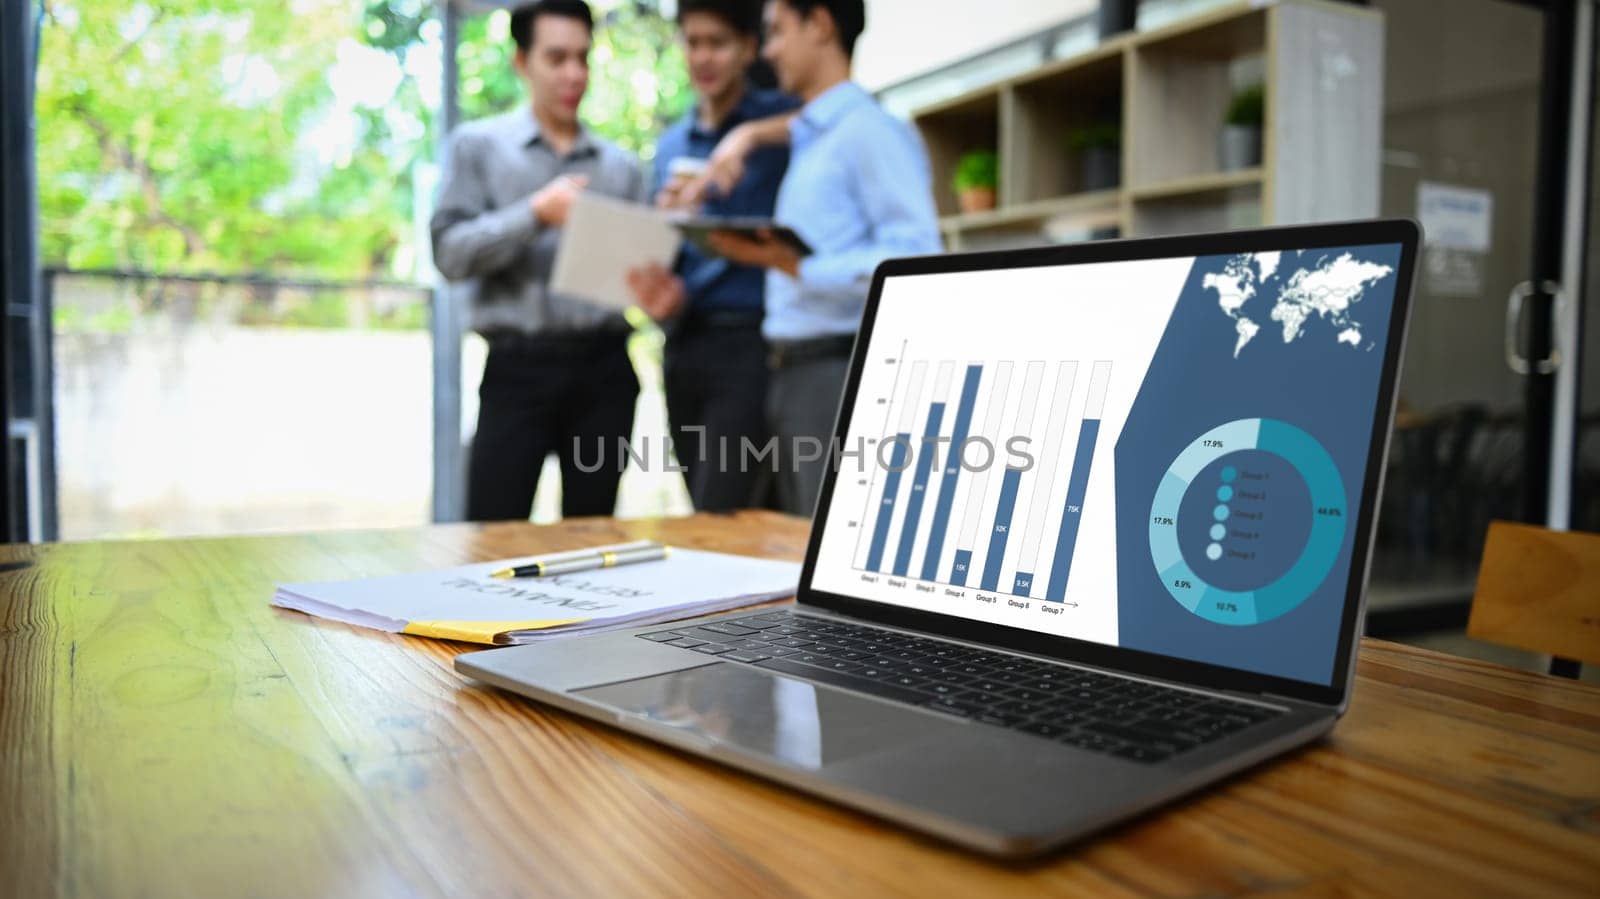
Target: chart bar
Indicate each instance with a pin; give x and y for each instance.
(1000, 531)
(1033, 531)
(952, 471)
(897, 464)
(958, 571)
(919, 482)
(999, 389)
(1002, 528)
(874, 495)
(1078, 484)
(891, 486)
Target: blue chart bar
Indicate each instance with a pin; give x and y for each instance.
(1072, 516)
(1002, 528)
(1031, 528)
(958, 574)
(919, 489)
(891, 489)
(952, 470)
(978, 490)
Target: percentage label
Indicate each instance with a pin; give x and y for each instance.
(1162, 519)
(1213, 444)
(1227, 607)
(1330, 511)
(1183, 585)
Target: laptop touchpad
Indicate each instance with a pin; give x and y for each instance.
(771, 715)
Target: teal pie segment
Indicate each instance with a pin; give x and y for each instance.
(1234, 435)
(1164, 522)
(1215, 604)
(1328, 522)
(1259, 495)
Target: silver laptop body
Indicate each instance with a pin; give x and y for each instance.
(1096, 535)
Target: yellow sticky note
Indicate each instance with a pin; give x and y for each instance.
(478, 631)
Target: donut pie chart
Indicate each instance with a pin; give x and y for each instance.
(1247, 521)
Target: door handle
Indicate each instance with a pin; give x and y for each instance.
(1514, 358)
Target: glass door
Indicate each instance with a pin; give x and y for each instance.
(1580, 380)
(27, 510)
(1476, 129)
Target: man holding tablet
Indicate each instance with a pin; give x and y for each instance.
(858, 191)
(716, 360)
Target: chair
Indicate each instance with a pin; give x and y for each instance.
(1539, 590)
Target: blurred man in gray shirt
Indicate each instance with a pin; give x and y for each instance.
(558, 378)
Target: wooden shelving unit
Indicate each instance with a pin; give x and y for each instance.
(1075, 216)
(954, 127)
(1197, 185)
(1166, 92)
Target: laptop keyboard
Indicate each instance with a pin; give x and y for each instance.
(1120, 716)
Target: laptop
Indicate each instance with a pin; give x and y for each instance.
(1096, 534)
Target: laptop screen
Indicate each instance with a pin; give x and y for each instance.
(1163, 454)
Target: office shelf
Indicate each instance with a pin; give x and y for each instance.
(1165, 93)
(954, 128)
(1198, 185)
(1096, 209)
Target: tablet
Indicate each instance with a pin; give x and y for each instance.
(698, 229)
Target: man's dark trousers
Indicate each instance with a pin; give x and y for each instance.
(715, 369)
(568, 394)
(807, 379)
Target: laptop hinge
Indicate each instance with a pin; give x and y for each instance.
(1278, 697)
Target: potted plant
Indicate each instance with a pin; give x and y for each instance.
(1097, 150)
(977, 176)
(1239, 145)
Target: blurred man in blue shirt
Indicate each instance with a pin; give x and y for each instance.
(715, 364)
(858, 190)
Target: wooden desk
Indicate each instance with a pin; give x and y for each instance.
(167, 733)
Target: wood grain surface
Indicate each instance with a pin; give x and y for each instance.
(166, 733)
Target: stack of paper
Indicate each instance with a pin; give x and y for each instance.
(465, 603)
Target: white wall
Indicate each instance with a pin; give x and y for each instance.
(910, 37)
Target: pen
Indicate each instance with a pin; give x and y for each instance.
(587, 559)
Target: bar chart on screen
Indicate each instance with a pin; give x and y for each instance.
(978, 482)
(979, 472)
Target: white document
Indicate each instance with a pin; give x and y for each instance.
(465, 603)
(604, 238)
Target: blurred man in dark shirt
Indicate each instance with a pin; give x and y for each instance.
(712, 309)
(858, 190)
